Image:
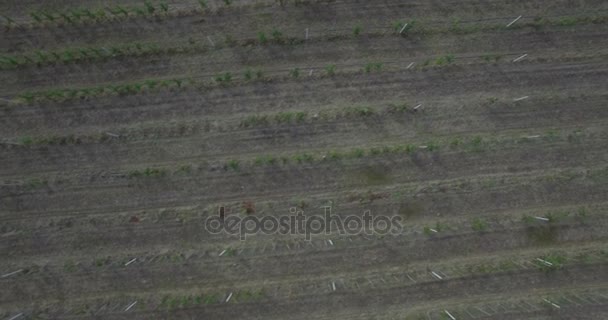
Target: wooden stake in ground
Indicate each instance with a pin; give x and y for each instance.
(512, 22)
(521, 98)
(520, 57)
(229, 296)
(130, 261)
(553, 304)
(402, 29)
(11, 273)
(130, 306)
(449, 315)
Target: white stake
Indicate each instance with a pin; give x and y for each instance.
(16, 316)
(130, 261)
(333, 285)
(407, 274)
(410, 65)
(521, 98)
(418, 106)
(535, 137)
(553, 304)
(521, 57)
(222, 253)
(229, 296)
(310, 73)
(541, 218)
(211, 41)
(331, 242)
(449, 315)
(436, 275)
(545, 262)
(131, 306)
(424, 147)
(401, 31)
(12, 273)
(512, 22)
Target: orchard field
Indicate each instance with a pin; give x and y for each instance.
(124, 124)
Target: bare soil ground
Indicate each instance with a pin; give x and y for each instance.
(121, 134)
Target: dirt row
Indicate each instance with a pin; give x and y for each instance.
(360, 305)
(347, 54)
(275, 96)
(454, 111)
(155, 228)
(440, 120)
(319, 179)
(387, 301)
(461, 197)
(383, 253)
(20, 10)
(320, 18)
(199, 186)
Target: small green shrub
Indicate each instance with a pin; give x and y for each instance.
(410, 148)
(479, 225)
(305, 157)
(148, 172)
(248, 74)
(359, 111)
(377, 66)
(400, 108)
(330, 69)
(448, 59)
(300, 116)
(262, 37)
(551, 262)
(432, 146)
(295, 73)
(27, 141)
(277, 36)
(233, 164)
(35, 183)
(358, 153)
(582, 214)
(224, 78)
(149, 7)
